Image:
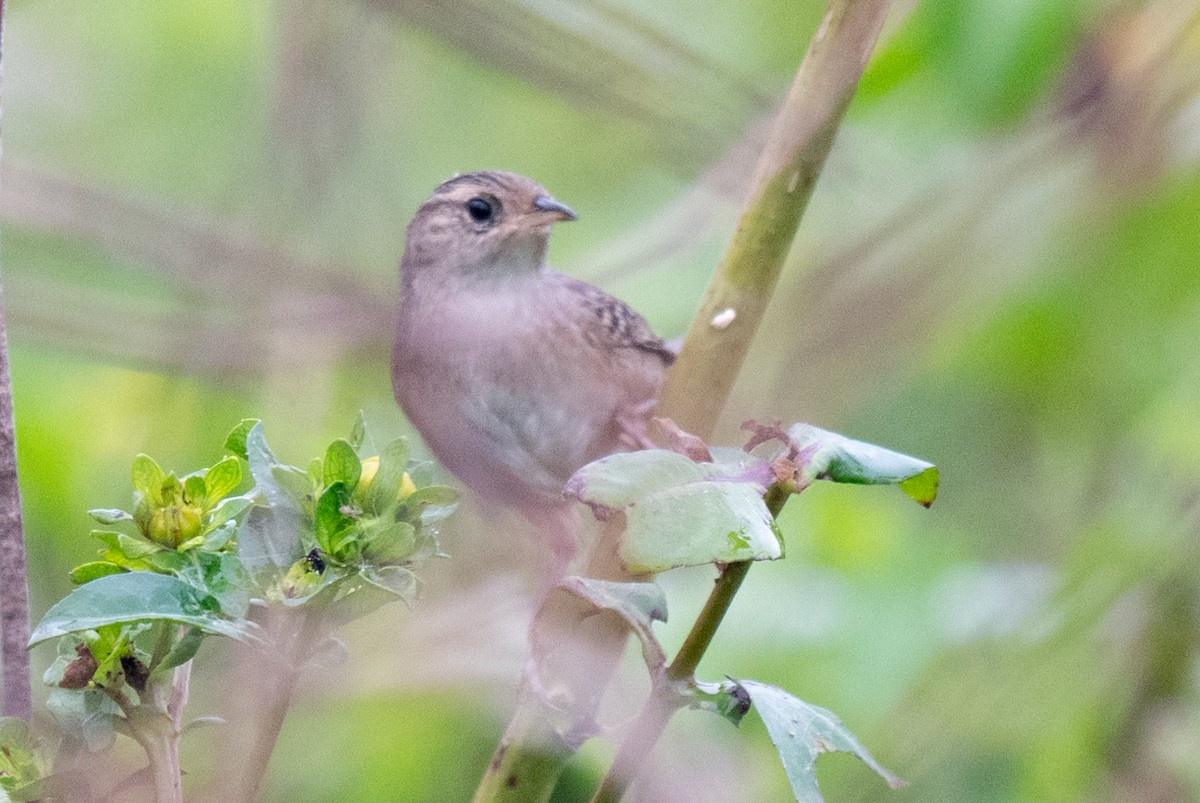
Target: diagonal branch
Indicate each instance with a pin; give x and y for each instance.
(787, 171)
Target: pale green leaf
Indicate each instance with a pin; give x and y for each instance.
(134, 597)
(801, 732)
(679, 512)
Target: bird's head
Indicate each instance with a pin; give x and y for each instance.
(481, 226)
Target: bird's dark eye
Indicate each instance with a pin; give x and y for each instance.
(479, 210)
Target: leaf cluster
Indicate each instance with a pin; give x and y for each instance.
(692, 505)
(191, 558)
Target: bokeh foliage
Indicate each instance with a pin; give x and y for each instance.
(203, 204)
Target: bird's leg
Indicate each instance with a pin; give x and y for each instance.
(632, 425)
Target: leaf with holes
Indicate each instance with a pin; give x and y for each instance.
(801, 732)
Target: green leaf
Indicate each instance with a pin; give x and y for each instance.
(85, 714)
(830, 456)
(148, 478)
(236, 440)
(135, 597)
(348, 598)
(87, 572)
(217, 538)
(21, 760)
(294, 482)
(221, 479)
(801, 732)
(227, 510)
(182, 650)
(431, 503)
(130, 546)
(728, 699)
(385, 486)
(391, 543)
(109, 515)
(639, 604)
(269, 538)
(679, 512)
(195, 490)
(393, 579)
(221, 576)
(342, 464)
(330, 521)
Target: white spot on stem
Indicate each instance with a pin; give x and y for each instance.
(723, 318)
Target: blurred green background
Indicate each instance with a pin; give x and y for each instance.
(203, 204)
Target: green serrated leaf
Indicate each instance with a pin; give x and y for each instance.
(110, 515)
(341, 464)
(679, 512)
(236, 440)
(384, 489)
(148, 478)
(221, 479)
(135, 597)
(800, 732)
(87, 572)
(222, 576)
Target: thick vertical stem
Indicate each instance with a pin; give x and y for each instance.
(277, 667)
(14, 585)
(155, 731)
(14, 588)
(787, 171)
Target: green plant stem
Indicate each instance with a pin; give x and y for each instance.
(531, 756)
(665, 698)
(291, 634)
(701, 380)
(157, 733)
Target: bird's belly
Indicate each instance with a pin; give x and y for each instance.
(511, 431)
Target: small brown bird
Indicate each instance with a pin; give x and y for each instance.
(514, 374)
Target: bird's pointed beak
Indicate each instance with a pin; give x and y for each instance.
(559, 211)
